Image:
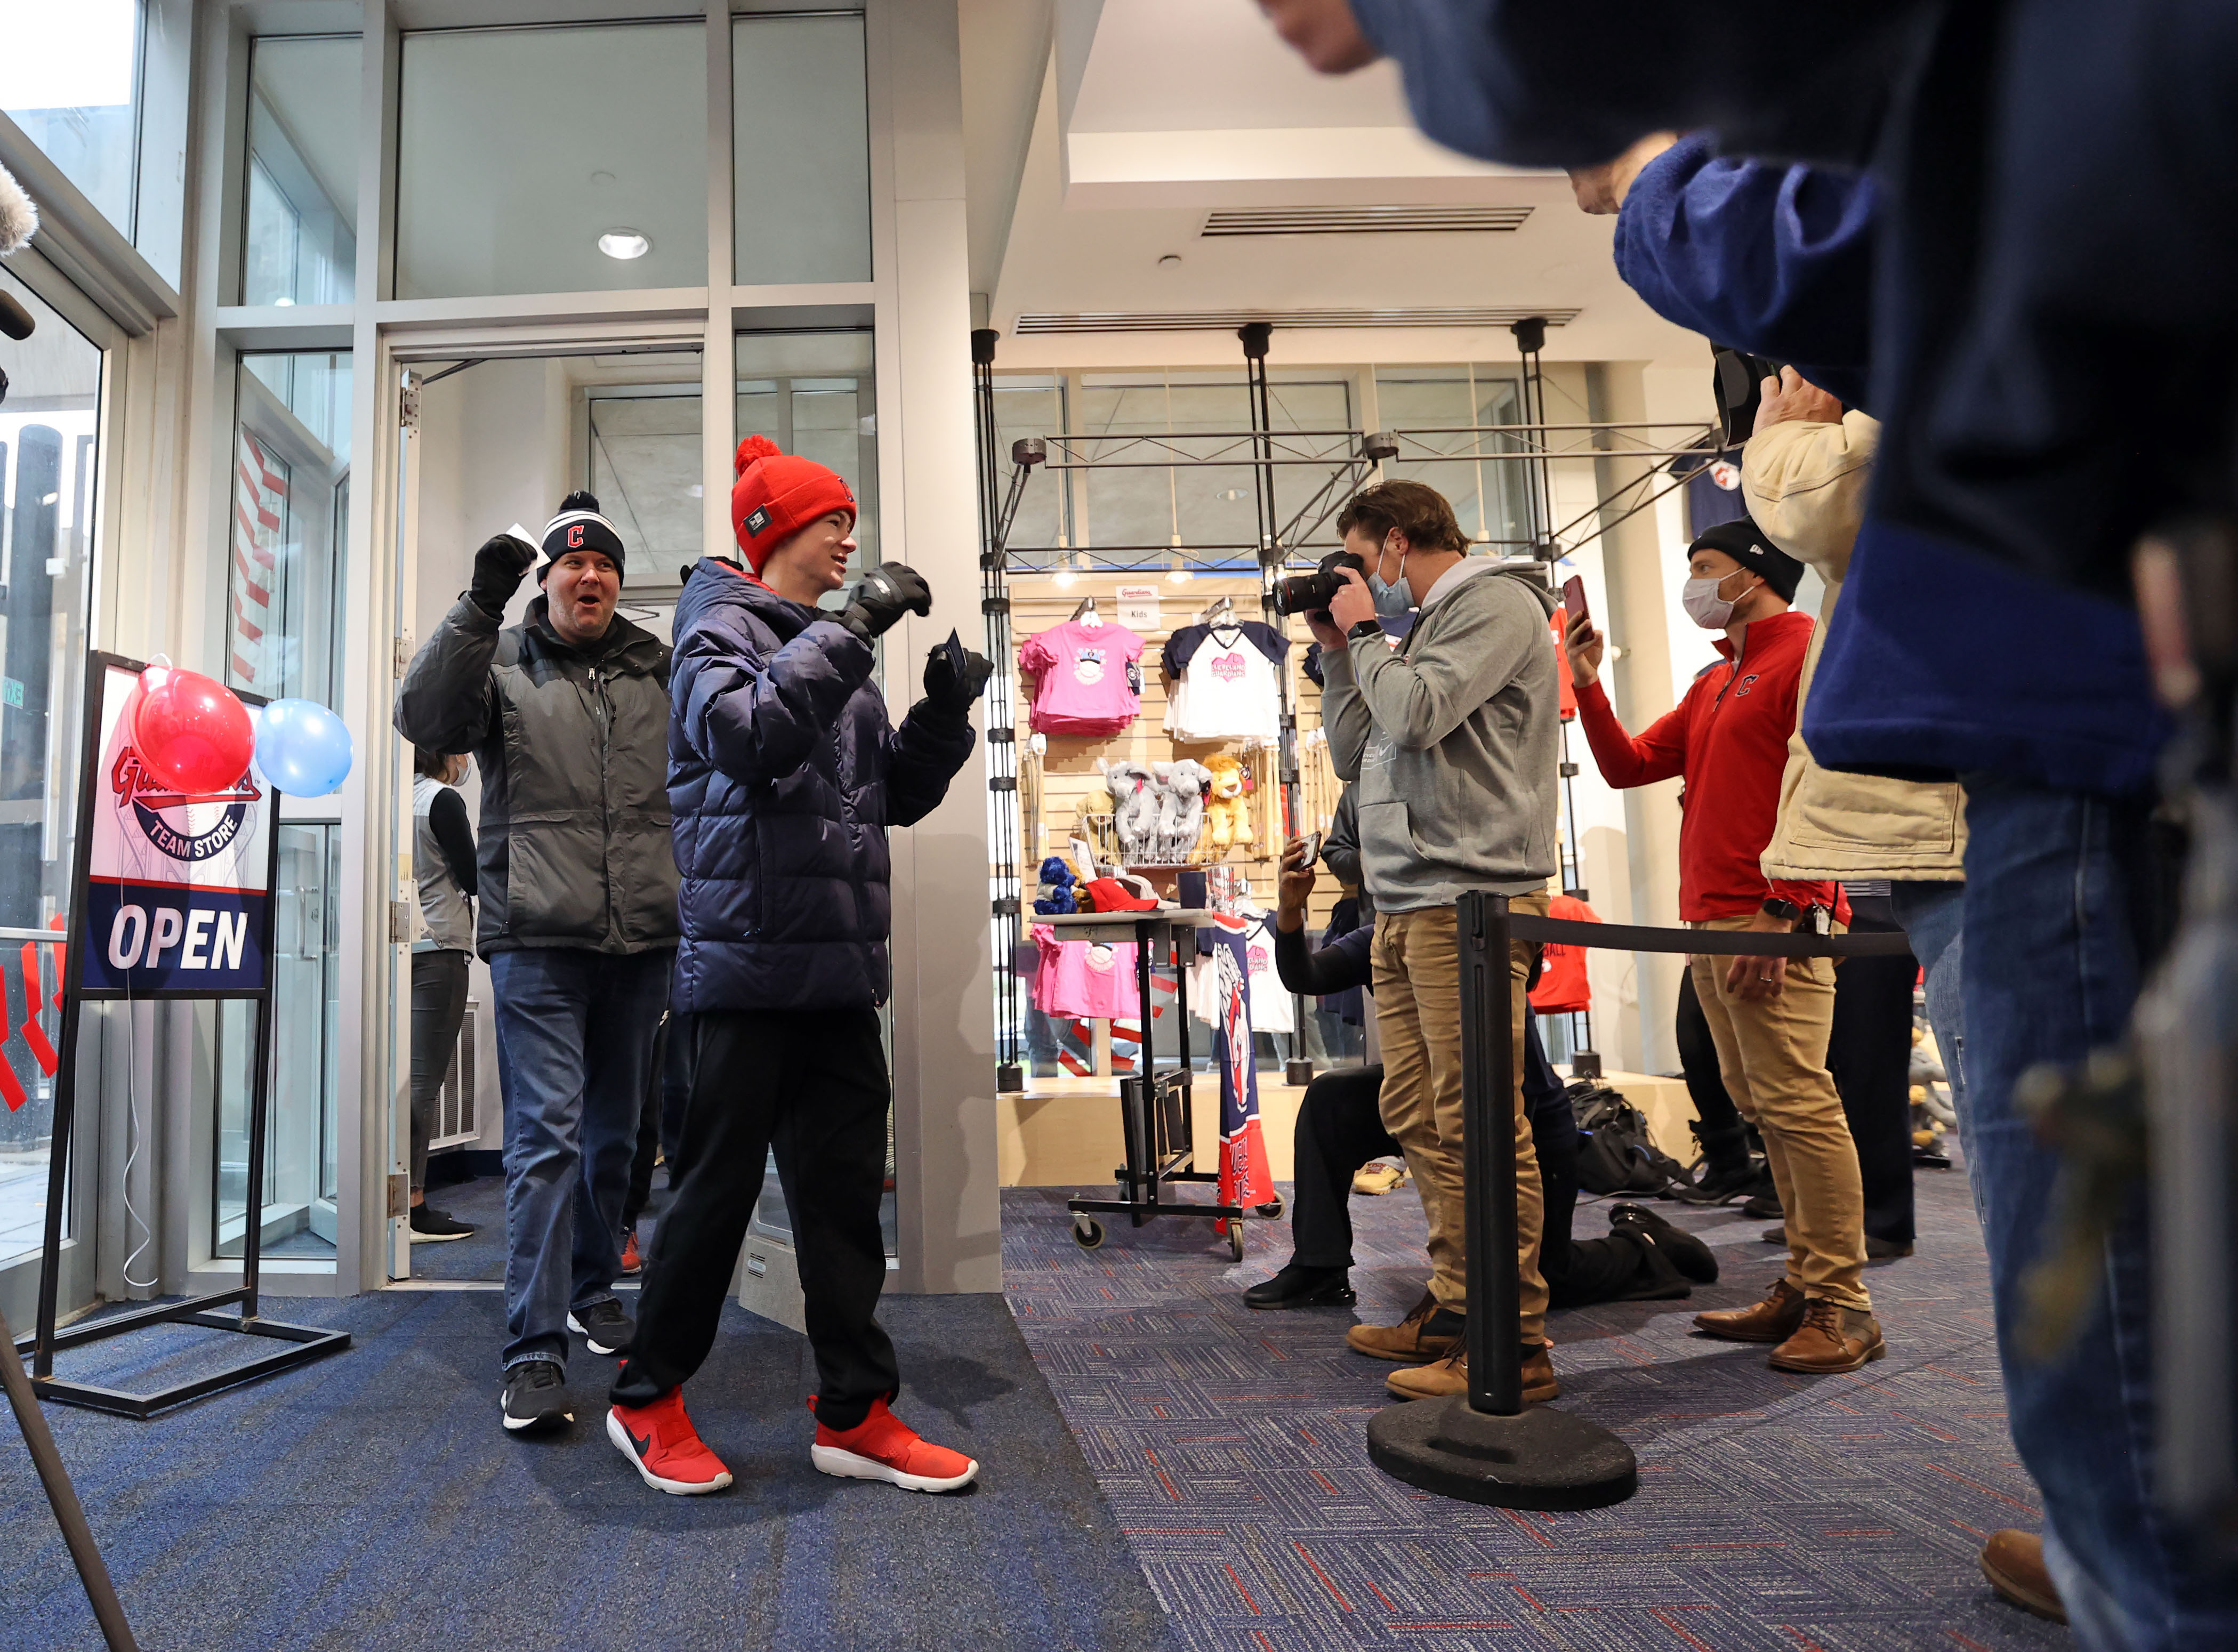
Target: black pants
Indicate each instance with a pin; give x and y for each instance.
(1340, 1129)
(439, 1008)
(1869, 1053)
(813, 1086)
(1698, 1058)
(648, 1132)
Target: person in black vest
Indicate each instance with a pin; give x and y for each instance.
(565, 714)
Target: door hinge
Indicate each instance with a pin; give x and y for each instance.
(399, 1194)
(399, 924)
(407, 404)
(400, 656)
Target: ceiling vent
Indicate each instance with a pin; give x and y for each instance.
(1364, 220)
(1038, 325)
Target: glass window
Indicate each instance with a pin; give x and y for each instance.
(814, 394)
(70, 77)
(300, 236)
(50, 460)
(302, 1122)
(551, 160)
(1136, 512)
(801, 135)
(1032, 405)
(1489, 495)
(290, 520)
(646, 467)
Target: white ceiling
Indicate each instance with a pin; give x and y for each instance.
(1148, 112)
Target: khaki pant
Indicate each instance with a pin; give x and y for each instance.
(1773, 1055)
(1418, 1017)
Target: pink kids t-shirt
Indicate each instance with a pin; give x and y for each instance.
(1087, 678)
(1085, 978)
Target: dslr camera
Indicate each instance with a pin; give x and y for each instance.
(1307, 593)
(1737, 381)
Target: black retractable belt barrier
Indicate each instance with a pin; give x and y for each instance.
(1486, 1445)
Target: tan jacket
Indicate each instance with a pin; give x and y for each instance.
(1805, 485)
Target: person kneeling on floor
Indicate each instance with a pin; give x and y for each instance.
(784, 773)
(1340, 1128)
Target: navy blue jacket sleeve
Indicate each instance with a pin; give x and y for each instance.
(922, 757)
(1327, 969)
(1773, 260)
(758, 719)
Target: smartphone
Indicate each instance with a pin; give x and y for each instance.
(1573, 600)
(1312, 848)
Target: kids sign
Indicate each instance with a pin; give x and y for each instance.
(176, 886)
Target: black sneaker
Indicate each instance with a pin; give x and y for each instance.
(1764, 1207)
(1298, 1287)
(431, 1226)
(607, 1324)
(1685, 1253)
(536, 1396)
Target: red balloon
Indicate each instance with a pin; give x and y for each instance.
(192, 734)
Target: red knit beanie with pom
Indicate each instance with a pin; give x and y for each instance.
(778, 494)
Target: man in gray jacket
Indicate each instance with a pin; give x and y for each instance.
(567, 717)
(1450, 738)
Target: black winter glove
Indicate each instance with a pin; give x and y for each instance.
(498, 567)
(954, 675)
(886, 593)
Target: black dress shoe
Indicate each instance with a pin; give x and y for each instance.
(1764, 1207)
(1298, 1286)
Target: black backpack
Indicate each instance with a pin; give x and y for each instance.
(1616, 1151)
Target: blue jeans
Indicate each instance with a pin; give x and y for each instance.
(2054, 915)
(1932, 918)
(575, 1032)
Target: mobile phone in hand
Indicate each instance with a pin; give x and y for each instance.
(1573, 600)
(1312, 848)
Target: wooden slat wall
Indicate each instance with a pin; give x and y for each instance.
(1053, 792)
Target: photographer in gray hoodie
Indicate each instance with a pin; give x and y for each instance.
(1450, 738)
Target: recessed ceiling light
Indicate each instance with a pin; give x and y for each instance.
(1169, 261)
(624, 243)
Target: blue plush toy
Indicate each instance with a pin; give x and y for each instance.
(1057, 885)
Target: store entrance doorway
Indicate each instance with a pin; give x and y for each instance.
(486, 446)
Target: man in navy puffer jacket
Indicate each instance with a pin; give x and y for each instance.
(784, 773)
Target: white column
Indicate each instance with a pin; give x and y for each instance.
(948, 1190)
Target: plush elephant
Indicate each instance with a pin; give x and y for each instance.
(1180, 809)
(1135, 806)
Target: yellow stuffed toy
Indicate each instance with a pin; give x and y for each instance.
(1227, 809)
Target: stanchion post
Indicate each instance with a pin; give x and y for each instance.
(1495, 1293)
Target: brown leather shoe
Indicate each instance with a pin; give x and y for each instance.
(1443, 1379)
(2013, 1562)
(1428, 1332)
(1831, 1339)
(1774, 1320)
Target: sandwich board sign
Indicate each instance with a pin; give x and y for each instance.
(177, 888)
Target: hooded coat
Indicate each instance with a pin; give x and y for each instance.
(784, 773)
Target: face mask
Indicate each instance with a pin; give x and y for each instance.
(1394, 599)
(1705, 606)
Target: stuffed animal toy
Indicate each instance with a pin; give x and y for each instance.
(1227, 810)
(1055, 893)
(1133, 809)
(1180, 809)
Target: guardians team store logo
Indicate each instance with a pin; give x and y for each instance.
(179, 824)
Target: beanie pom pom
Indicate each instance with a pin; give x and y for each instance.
(578, 500)
(754, 447)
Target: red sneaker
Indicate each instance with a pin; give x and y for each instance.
(885, 1447)
(659, 1440)
(633, 1262)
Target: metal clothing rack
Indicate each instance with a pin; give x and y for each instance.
(1155, 1121)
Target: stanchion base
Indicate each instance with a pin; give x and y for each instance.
(1009, 1080)
(1539, 1459)
(1298, 1070)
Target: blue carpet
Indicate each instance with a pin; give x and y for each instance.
(371, 1500)
(1830, 1515)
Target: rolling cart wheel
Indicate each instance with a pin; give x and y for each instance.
(1086, 1232)
(1271, 1210)
(1235, 1237)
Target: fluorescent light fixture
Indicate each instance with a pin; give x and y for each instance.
(624, 243)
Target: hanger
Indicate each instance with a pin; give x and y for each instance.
(1223, 605)
(1086, 613)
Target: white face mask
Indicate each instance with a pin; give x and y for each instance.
(1705, 606)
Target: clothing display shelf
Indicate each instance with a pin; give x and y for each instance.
(1155, 1121)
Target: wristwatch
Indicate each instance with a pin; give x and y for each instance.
(1778, 906)
(1364, 629)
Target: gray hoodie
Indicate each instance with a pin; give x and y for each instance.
(1451, 741)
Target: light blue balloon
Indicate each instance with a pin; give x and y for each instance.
(303, 748)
